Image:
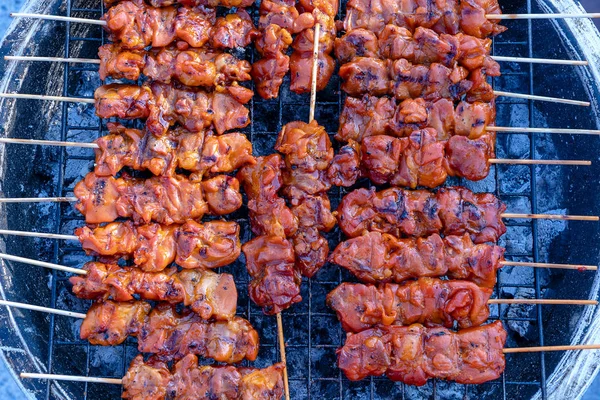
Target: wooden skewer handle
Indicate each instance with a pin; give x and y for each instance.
(315, 71)
(542, 130)
(541, 16)
(519, 161)
(540, 60)
(551, 216)
(44, 264)
(72, 378)
(46, 97)
(281, 341)
(552, 348)
(43, 309)
(548, 265)
(49, 143)
(59, 18)
(53, 59)
(38, 235)
(38, 200)
(542, 98)
(544, 301)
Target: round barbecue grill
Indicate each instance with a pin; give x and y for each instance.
(36, 342)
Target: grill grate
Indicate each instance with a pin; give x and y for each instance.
(312, 331)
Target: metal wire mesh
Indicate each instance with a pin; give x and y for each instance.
(312, 331)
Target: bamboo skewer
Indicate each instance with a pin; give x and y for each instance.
(550, 61)
(59, 18)
(38, 200)
(44, 264)
(551, 348)
(72, 378)
(542, 98)
(519, 161)
(551, 216)
(541, 16)
(38, 235)
(42, 309)
(281, 340)
(91, 145)
(549, 265)
(46, 97)
(545, 302)
(542, 130)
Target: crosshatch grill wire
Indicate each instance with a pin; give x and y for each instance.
(307, 386)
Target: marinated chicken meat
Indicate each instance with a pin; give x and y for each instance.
(222, 194)
(403, 80)
(152, 380)
(194, 152)
(269, 215)
(135, 26)
(275, 283)
(442, 16)
(191, 67)
(425, 301)
(154, 247)
(164, 105)
(423, 47)
(166, 200)
(208, 294)
(422, 160)
(414, 354)
(419, 213)
(377, 257)
(190, 3)
(168, 334)
(371, 116)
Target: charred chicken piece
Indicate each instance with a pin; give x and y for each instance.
(378, 257)
(153, 247)
(222, 194)
(208, 294)
(152, 380)
(418, 213)
(191, 67)
(425, 301)
(164, 105)
(109, 323)
(275, 283)
(415, 354)
(233, 30)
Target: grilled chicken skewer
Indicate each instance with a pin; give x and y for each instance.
(199, 153)
(425, 301)
(419, 213)
(163, 331)
(152, 380)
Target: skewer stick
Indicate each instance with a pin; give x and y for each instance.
(541, 16)
(540, 60)
(551, 348)
(53, 59)
(44, 264)
(518, 161)
(544, 301)
(38, 235)
(72, 378)
(313, 78)
(550, 61)
(542, 98)
(551, 216)
(281, 340)
(547, 265)
(46, 97)
(38, 200)
(542, 130)
(43, 309)
(49, 143)
(59, 18)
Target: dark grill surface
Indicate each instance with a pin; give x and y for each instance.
(312, 331)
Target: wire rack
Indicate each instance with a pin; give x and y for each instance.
(312, 331)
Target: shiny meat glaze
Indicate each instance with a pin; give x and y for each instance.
(135, 25)
(191, 67)
(421, 159)
(372, 116)
(423, 47)
(418, 213)
(425, 301)
(378, 257)
(415, 354)
(275, 283)
(208, 294)
(152, 380)
(166, 333)
(154, 247)
(442, 16)
(195, 152)
(165, 105)
(404, 80)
